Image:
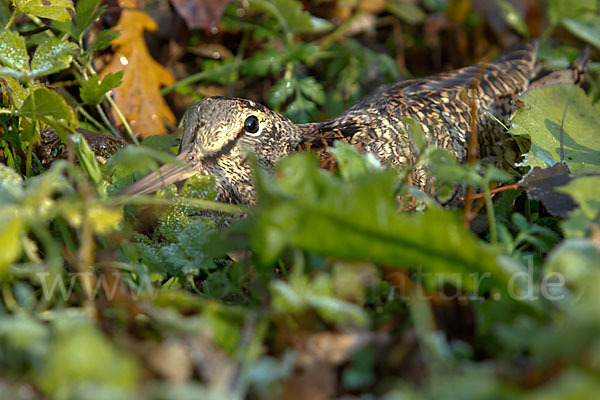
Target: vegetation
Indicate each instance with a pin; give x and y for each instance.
(325, 289)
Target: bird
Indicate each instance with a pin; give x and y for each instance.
(219, 132)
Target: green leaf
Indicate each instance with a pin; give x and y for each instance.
(513, 18)
(357, 219)
(87, 12)
(103, 40)
(86, 158)
(68, 369)
(57, 10)
(11, 185)
(540, 119)
(588, 31)
(139, 158)
(350, 163)
(52, 56)
(312, 89)
(92, 92)
(576, 260)
(264, 62)
(11, 229)
(47, 106)
(416, 134)
(289, 14)
(160, 142)
(300, 109)
(13, 53)
(280, 92)
(586, 191)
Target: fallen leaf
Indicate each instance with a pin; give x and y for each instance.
(139, 97)
(200, 14)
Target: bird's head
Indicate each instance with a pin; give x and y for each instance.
(218, 134)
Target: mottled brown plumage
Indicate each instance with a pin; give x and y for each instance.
(218, 132)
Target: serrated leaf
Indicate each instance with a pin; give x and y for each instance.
(289, 14)
(52, 9)
(92, 92)
(263, 62)
(87, 12)
(540, 119)
(104, 39)
(52, 56)
(300, 109)
(13, 52)
(280, 92)
(312, 89)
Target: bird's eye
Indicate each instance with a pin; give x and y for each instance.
(251, 124)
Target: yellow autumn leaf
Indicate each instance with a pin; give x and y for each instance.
(139, 97)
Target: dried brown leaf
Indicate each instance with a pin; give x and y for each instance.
(139, 97)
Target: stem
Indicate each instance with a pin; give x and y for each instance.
(122, 118)
(93, 120)
(107, 121)
(12, 19)
(198, 77)
(489, 205)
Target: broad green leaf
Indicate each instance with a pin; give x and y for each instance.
(588, 31)
(139, 158)
(80, 354)
(357, 219)
(350, 163)
(92, 92)
(49, 107)
(17, 92)
(11, 185)
(513, 18)
(540, 119)
(57, 10)
(406, 11)
(586, 192)
(11, 229)
(13, 53)
(576, 260)
(52, 56)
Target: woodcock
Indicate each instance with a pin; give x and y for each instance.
(219, 132)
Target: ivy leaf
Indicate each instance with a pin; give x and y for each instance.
(13, 54)
(93, 91)
(52, 56)
(57, 10)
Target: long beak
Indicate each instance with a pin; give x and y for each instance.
(166, 175)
